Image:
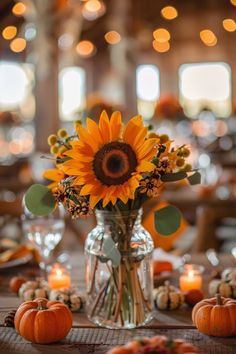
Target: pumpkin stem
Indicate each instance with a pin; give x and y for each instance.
(167, 284)
(41, 305)
(218, 299)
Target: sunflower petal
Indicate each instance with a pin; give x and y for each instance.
(104, 127)
(94, 130)
(54, 175)
(146, 148)
(76, 155)
(145, 166)
(132, 129)
(86, 138)
(139, 139)
(93, 200)
(115, 124)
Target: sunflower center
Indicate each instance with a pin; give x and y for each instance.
(114, 163)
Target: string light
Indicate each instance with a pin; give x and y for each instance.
(18, 45)
(161, 35)
(112, 37)
(85, 48)
(208, 37)
(9, 32)
(19, 9)
(93, 9)
(161, 47)
(169, 12)
(229, 25)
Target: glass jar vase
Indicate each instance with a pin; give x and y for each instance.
(119, 294)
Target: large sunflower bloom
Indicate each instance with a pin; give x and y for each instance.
(108, 161)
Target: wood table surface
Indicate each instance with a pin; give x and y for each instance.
(86, 338)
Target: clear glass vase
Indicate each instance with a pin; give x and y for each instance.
(119, 296)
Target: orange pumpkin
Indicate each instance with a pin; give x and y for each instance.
(42, 321)
(145, 345)
(215, 316)
(16, 282)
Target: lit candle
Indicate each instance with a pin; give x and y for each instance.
(191, 277)
(59, 277)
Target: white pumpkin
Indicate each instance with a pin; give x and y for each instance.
(168, 297)
(228, 274)
(34, 289)
(226, 288)
(69, 297)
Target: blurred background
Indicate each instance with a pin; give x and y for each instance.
(172, 61)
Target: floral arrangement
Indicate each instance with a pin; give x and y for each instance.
(168, 106)
(113, 167)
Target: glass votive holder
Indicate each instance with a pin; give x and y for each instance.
(191, 277)
(59, 277)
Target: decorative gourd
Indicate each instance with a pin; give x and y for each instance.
(42, 321)
(16, 282)
(69, 297)
(228, 274)
(223, 287)
(168, 297)
(215, 316)
(34, 289)
(157, 344)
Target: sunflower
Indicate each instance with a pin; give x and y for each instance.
(55, 175)
(108, 161)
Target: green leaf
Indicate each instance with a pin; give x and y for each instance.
(111, 251)
(173, 177)
(195, 178)
(39, 200)
(167, 220)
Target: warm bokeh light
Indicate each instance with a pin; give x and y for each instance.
(112, 37)
(93, 5)
(208, 37)
(85, 48)
(169, 12)
(161, 47)
(9, 32)
(229, 25)
(233, 2)
(161, 35)
(18, 45)
(19, 9)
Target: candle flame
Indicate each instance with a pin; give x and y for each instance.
(191, 274)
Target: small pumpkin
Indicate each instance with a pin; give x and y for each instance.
(168, 297)
(69, 297)
(157, 344)
(16, 282)
(42, 321)
(34, 289)
(215, 316)
(226, 288)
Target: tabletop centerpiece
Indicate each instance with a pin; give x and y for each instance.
(112, 169)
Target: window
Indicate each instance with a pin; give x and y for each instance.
(16, 84)
(71, 92)
(147, 89)
(205, 86)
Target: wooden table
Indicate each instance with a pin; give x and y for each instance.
(86, 338)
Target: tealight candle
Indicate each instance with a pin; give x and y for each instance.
(59, 277)
(191, 277)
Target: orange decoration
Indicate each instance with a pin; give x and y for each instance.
(162, 266)
(16, 282)
(215, 316)
(42, 321)
(193, 296)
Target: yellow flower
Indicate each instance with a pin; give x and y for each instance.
(54, 175)
(109, 162)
